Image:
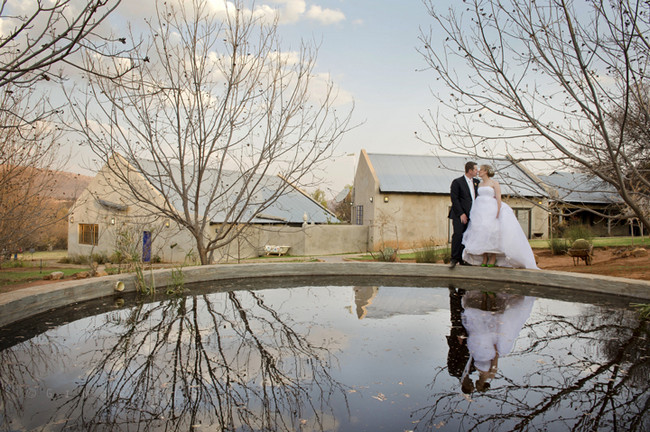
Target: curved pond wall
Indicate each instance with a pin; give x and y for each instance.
(23, 303)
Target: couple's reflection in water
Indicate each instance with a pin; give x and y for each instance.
(521, 363)
(484, 327)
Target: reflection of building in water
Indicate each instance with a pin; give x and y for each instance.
(376, 303)
(363, 297)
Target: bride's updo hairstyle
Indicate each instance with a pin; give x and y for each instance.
(488, 169)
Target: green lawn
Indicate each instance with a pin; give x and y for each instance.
(602, 242)
(543, 244)
(19, 275)
(43, 255)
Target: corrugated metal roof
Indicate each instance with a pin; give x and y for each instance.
(289, 207)
(430, 174)
(581, 188)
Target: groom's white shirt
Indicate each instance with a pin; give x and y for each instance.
(470, 184)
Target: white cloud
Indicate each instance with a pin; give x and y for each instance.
(319, 87)
(325, 16)
(292, 10)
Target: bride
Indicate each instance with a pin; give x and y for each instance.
(494, 236)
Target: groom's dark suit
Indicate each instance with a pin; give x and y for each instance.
(461, 203)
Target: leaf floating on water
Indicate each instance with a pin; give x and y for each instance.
(61, 421)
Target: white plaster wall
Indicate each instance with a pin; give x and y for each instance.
(114, 223)
(310, 240)
(366, 187)
(335, 239)
(413, 220)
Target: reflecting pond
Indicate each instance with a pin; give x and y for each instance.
(329, 358)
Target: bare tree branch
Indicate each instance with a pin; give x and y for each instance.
(552, 81)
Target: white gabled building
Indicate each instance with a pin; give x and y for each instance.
(108, 215)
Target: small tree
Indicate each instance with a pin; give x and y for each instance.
(343, 208)
(319, 196)
(28, 163)
(215, 108)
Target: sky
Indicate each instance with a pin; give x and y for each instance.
(368, 47)
(371, 54)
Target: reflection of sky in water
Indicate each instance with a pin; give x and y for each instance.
(368, 358)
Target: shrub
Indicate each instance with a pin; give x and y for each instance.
(445, 255)
(387, 254)
(432, 254)
(74, 259)
(100, 258)
(558, 246)
(117, 257)
(644, 310)
(575, 232)
(14, 264)
(427, 254)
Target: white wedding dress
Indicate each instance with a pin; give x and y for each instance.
(494, 332)
(503, 236)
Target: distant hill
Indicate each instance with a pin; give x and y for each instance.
(68, 186)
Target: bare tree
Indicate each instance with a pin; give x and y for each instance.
(209, 119)
(28, 160)
(230, 361)
(36, 38)
(544, 80)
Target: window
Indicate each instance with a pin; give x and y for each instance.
(358, 215)
(524, 216)
(88, 234)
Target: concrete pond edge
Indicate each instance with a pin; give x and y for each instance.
(24, 303)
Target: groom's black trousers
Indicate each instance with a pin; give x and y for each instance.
(457, 239)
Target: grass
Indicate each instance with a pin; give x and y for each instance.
(544, 244)
(12, 274)
(405, 256)
(602, 242)
(18, 277)
(43, 255)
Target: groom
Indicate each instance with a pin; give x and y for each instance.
(463, 192)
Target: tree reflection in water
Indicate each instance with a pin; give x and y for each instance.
(583, 372)
(319, 359)
(194, 361)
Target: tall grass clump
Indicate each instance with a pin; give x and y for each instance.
(558, 246)
(432, 254)
(387, 254)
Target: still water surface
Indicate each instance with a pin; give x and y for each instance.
(329, 358)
